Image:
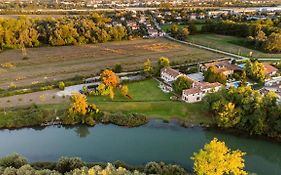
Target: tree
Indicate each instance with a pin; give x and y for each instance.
(78, 104)
(124, 90)
(217, 159)
(181, 83)
(211, 75)
(118, 68)
(174, 30)
(227, 115)
(255, 70)
(147, 67)
(61, 85)
(273, 43)
(183, 34)
(109, 78)
(163, 62)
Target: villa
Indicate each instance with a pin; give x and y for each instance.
(168, 75)
(199, 90)
(224, 67)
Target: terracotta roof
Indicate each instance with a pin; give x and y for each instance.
(269, 68)
(172, 72)
(200, 86)
(222, 66)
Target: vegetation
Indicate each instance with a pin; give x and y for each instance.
(58, 32)
(181, 83)
(255, 70)
(256, 31)
(246, 109)
(179, 33)
(212, 75)
(217, 159)
(75, 166)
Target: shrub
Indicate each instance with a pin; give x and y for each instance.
(61, 85)
(129, 120)
(162, 168)
(67, 164)
(13, 160)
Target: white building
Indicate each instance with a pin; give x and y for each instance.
(199, 90)
(168, 75)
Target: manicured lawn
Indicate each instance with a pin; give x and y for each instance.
(228, 43)
(150, 100)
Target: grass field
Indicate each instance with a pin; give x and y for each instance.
(228, 43)
(59, 63)
(167, 27)
(150, 100)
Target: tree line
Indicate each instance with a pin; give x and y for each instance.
(263, 35)
(25, 32)
(246, 109)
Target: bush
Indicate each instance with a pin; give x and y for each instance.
(67, 164)
(13, 160)
(118, 68)
(162, 168)
(129, 120)
(61, 85)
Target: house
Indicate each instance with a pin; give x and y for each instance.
(168, 75)
(152, 33)
(224, 67)
(199, 90)
(269, 69)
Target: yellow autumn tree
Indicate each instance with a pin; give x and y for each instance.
(78, 104)
(217, 159)
(147, 67)
(109, 78)
(124, 90)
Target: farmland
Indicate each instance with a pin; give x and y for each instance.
(230, 44)
(47, 64)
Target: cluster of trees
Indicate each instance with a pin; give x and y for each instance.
(262, 35)
(179, 33)
(181, 83)
(26, 32)
(212, 75)
(255, 70)
(271, 43)
(150, 70)
(80, 111)
(246, 109)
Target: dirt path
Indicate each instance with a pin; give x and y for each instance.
(42, 97)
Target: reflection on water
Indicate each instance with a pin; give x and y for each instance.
(156, 141)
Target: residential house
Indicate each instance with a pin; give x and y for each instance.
(168, 75)
(269, 69)
(199, 90)
(224, 67)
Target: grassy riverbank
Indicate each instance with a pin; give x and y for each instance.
(147, 99)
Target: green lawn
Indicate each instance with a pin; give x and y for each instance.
(167, 27)
(150, 100)
(228, 43)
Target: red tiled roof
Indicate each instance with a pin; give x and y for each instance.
(222, 66)
(172, 72)
(269, 68)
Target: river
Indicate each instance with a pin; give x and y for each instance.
(155, 141)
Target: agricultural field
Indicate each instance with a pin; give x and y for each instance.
(47, 64)
(230, 44)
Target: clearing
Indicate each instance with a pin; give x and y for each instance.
(46, 64)
(230, 44)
